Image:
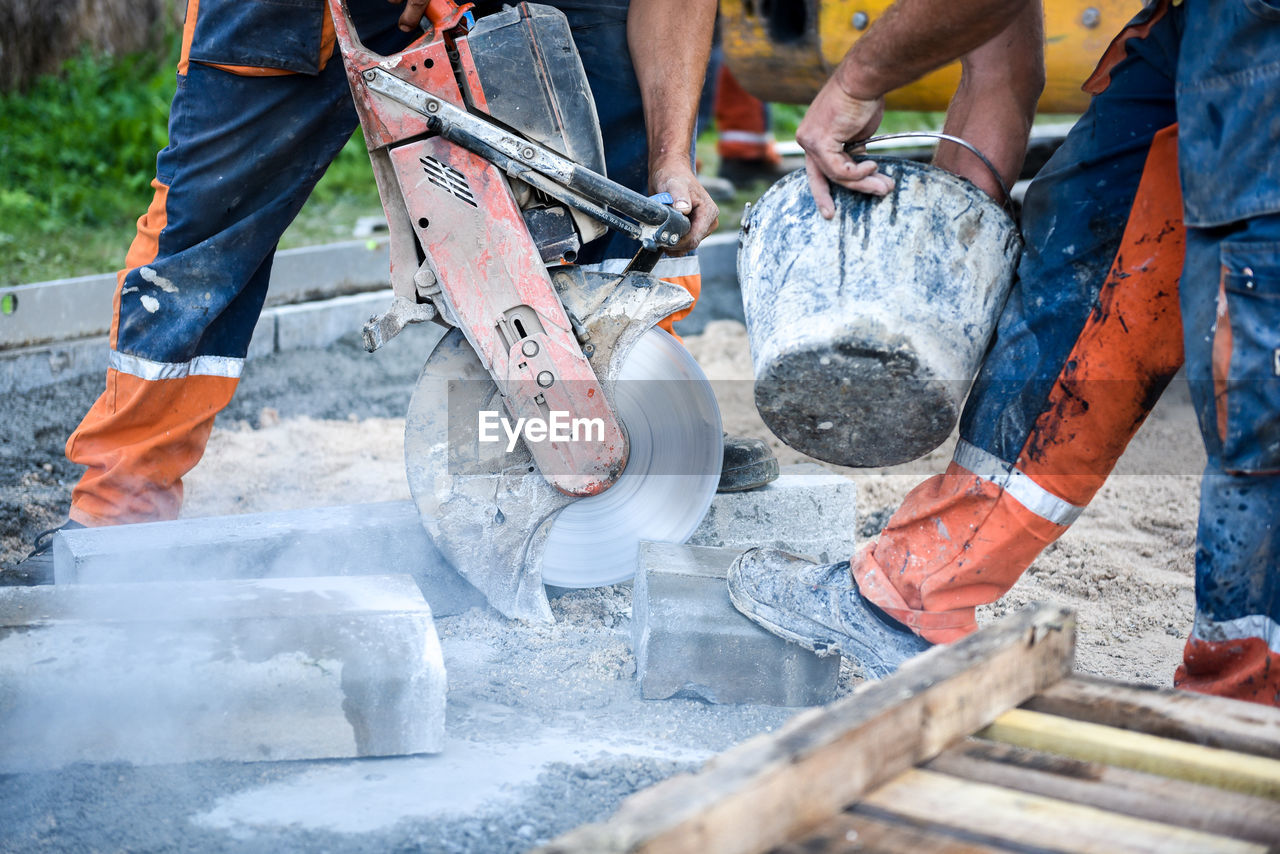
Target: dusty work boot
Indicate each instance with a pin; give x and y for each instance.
(820, 608)
(748, 464)
(37, 567)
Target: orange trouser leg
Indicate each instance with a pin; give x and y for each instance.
(742, 132)
(138, 440)
(692, 284)
(963, 538)
(1243, 669)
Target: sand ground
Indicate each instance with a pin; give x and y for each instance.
(1126, 566)
(314, 428)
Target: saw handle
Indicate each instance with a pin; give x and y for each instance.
(445, 14)
(442, 14)
(928, 134)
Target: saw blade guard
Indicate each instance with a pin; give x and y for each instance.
(670, 413)
(493, 514)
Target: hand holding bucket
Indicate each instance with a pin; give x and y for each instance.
(867, 329)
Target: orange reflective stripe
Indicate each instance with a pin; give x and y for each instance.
(692, 284)
(138, 439)
(1129, 347)
(328, 41)
(250, 70)
(1244, 669)
(188, 34)
(144, 248)
(1221, 356)
(957, 541)
(1100, 79)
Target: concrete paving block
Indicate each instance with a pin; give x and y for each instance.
(689, 640)
(807, 510)
(320, 324)
(57, 310)
(79, 307)
(358, 539)
(721, 298)
(296, 668)
(263, 342)
(329, 270)
(31, 367)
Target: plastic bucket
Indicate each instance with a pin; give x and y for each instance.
(867, 329)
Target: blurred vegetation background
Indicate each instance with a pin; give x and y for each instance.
(88, 89)
(78, 147)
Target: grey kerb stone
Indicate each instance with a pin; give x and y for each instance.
(808, 511)
(358, 539)
(299, 668)
(689, 640)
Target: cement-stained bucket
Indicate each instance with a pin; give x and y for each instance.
(867, 329)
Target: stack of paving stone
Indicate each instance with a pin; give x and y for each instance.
(168, 642)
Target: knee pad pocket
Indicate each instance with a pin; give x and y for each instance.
(1249, 403)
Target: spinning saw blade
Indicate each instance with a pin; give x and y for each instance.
(507, 530)
(673, 426)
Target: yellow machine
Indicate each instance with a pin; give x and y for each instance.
(784, 50)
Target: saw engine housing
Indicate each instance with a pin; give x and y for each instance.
(487, 152)
(480, 196)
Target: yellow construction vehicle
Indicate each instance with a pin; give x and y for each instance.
(784, 50)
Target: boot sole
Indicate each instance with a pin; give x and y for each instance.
(766, 616)
(748, 477)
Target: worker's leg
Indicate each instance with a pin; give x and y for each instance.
(600, 32)
(1231, 302)
(744, 140)
(244, 152)
(1231, 308)
(1088, 340)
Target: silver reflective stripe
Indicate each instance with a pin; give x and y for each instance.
(1252, 626)
(200, 366)
(1024, 490)
(743, 136)
(666, 268)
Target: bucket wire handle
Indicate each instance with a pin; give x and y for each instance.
(945, 136)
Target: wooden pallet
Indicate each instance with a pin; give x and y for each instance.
(987, 745)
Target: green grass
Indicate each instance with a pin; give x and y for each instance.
(77, 155)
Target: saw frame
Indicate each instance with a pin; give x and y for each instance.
(487, 154)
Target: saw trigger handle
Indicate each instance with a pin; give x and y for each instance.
(446, 14)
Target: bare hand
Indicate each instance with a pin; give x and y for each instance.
(833, 119)
(411, 18)
(689, 198)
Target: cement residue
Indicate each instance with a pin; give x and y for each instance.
(323, 427)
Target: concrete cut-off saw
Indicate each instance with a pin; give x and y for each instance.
(554, 426)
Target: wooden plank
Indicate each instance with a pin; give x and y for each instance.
(1036, 820)
(1120, 790)
(851, 832)
(1209, 766)
(780, 785)
(1197, 718)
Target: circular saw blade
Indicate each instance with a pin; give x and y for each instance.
(672, 420)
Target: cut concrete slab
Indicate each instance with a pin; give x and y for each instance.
(319, 324)
(807, 511)
(80, 307)
(356, 539)
(298, 668)
(689, 640)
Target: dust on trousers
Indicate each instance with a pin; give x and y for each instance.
(261, 109)
(1152, 241)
